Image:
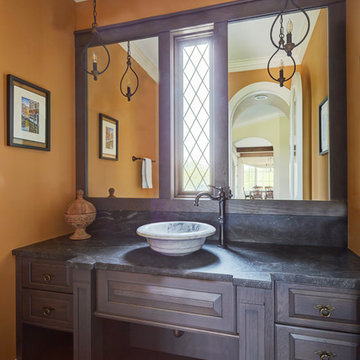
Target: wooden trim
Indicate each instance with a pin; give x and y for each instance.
(231, 11)
(254, 149)
(260, 154)
(256, 207)
(220, 15)
(337, 102)
(221, 132)
(81, 125)
(165, 121)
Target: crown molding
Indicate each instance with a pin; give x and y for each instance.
(259, 63)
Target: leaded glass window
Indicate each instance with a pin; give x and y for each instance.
(193, 116)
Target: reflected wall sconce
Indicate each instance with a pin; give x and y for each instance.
(286, 45)
(128, 94)
(95, 41)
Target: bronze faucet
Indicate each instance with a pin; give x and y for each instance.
(224, 193)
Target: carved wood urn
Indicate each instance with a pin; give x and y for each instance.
(80, 214)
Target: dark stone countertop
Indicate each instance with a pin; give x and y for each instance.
(253, 265)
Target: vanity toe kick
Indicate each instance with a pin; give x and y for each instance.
(166, 301)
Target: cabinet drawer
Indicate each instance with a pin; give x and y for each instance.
(294, 343)
(48, 309)
(46, 275)
(324, 308)
(200, 304)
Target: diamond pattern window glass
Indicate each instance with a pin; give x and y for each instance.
(196, 114)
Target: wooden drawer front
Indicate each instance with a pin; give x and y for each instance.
(183, 302)
(294, 343)
(48, 309)
(46, 275)
(301, 305)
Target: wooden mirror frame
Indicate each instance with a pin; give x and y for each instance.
(220, 15)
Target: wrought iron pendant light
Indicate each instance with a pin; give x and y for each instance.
(95, 41)
(286, 45)
(128, 93)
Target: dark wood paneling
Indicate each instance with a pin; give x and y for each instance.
(46, 275)
(337, 102)
(221, 129)
(198, 346)
(297, 343)
(264, 207)
(48, 309)
(19, 309)
(87, 329)
(255, 323)
(81, 125)
(297, 305)
(198, 304)
(165, 121)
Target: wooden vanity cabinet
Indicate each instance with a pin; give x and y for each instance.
(315, 323)
(43, 300)
(286, 322)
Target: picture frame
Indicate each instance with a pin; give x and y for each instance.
(324, 127)
(108, 138)
(28, 115)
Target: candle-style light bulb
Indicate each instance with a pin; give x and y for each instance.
(95, 72)
(281, 79)
(289, 27)
(281, 64)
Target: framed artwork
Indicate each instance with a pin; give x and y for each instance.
(108, 137)
(324, 127)
(28, 112)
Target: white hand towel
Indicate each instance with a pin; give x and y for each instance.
(147, 173)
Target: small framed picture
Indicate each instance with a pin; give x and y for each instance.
(108, 137)
(324, 127)
(28, 115)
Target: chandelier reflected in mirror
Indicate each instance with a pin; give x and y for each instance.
(286, 43)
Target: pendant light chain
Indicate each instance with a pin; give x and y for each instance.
(94, 41)
(94, 24)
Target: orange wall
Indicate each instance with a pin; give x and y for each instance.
(238, 80)
(115, 11)
(353, 102)
(138, 129)
(315, 89)
(37, 45)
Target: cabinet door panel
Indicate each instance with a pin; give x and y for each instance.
(293, 343)
(323, 308)
(199, 304)
(255, 324)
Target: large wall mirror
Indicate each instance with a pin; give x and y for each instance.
(268, 142)
(120, 129)
(275, 131)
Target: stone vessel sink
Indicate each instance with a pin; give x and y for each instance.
(176, 238)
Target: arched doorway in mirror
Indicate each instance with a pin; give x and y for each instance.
(263, 126)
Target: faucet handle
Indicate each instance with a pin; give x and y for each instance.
(224, 189)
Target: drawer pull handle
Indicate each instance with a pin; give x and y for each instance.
(47, 310)
(325, 310)
(325, 355)
(178, 333)
(47, 277)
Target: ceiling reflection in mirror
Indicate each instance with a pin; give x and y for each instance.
(121, 127)
(279, 135)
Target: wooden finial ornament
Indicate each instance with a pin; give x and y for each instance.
(80, 214)
(111, 193)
